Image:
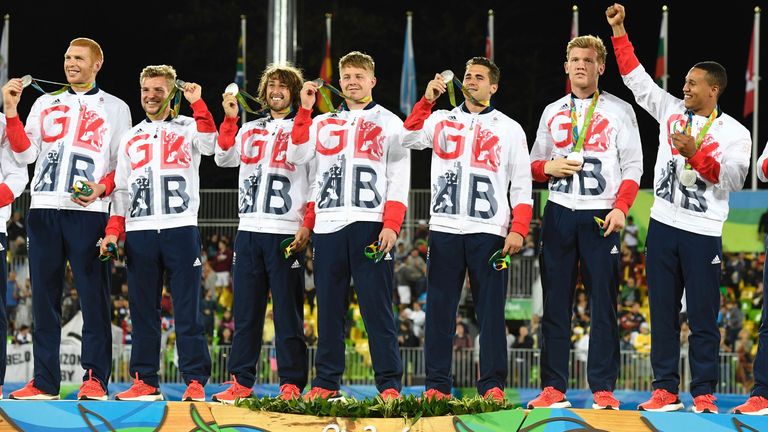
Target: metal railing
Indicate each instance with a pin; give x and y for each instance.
(635, 372)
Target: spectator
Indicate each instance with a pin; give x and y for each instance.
(24, 309)
(208, 309)
(631, 320)
(642, 341)
(310, 291)
(227, 321)
(581, 309)
(422, 231)
(524, 340)
(23, 336)
(309, 334)
(222, 264)
(11, 296)
(209, 279)
(417, 317)
(70, 306)
(406, 338)
(16, 228)
(734, 320)
(630, 293)
(226, 337)
(630, 235)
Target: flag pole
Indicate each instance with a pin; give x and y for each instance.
(4, 44)
(491, 51)
(242, 53)
(755, 105)
(575, 24)
(665, 23)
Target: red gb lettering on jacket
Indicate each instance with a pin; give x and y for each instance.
(252, 146)
(279, 149)
(448, 145)
(139, 151)
(331, 140)
(175, 151)
(486, 151)
(55, 127)
(598, 134)
(676, 123)
(560, 128)
(90, 130)
(369, 142)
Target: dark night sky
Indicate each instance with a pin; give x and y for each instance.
(199, 38)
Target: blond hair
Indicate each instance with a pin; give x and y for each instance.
(168, 72)
(358, 60)
(587, 41)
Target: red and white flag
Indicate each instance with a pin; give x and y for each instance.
(749, 93)
(574, 33)
(489, 39)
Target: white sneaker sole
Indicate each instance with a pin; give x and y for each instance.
(224, 401)
(704, 411)
(762, 412)
(607, 407)
(36, 397)
(145, 398)
(99, 398)
(563, 404)
(665, 408)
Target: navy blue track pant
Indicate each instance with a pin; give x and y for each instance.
(56, 236)
(3, 315)
(338, 257)
(571, 241)
(260, 268)
(450, 256)
(677, 259)
(761, 361)
(150, 253)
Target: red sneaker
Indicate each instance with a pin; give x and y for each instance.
(604, 400)
(140, 391)
(91, 389)
(233, 392)
(389, 394)
(705, 404)
(30, 392)
(194, 392)
(756, 405)
(319, 392)
(496, 393)
(661, 401)
(550, 397)
(289, 392)
(436, 394)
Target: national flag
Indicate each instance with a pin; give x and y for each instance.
(489, 49)
(574, 33)
(661, 57)
(408, 73)
(749, 93)
(326, 70)
(4, 56)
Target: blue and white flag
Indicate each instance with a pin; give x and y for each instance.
(408, 74)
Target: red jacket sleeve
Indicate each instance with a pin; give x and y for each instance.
(419, 114)
(521, 219)
(6, 195)
(537, 171)
(301, 123)
(18, 138)
(394, 212)
(203, 117)
(625, 54)
(109, 183)
(228, 132)
(115, 226)
(309, 216)
(626, 195)
(706, 165)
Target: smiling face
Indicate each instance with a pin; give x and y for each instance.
(698, 93)
(584, 69)
(356, 83)
(154, 91)
(477, 81)
(278, 95)
(80, 65)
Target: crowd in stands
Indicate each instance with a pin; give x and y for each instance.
(739, 318)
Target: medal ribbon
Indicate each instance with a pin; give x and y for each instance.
(64, 87)
(580, 137)
(338, 93)
(702, 131)
(467, 94)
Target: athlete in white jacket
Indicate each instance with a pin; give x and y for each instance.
(362, 180)
(703, 155)
(478, 155)
(600, 130)
(157, 195)
(73, 134)
(273, 206)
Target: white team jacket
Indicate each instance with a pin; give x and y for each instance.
(13, 177)
(612, 150)
(73, 136)
(476, 158)
(360, 163)
(272, 193)
(157, 183)
(703, 207)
